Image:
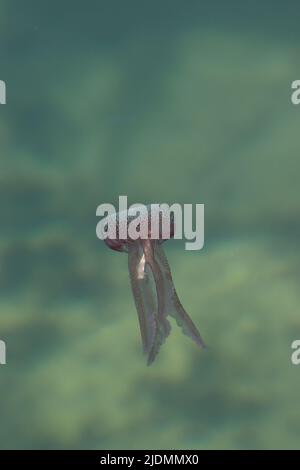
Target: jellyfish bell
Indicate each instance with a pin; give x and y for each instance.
(138, 222)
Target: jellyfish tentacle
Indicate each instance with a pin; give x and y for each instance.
(163, 326)
(149, 253)
(143, 295)
(173, 305)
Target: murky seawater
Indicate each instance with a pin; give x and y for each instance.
(181, 104)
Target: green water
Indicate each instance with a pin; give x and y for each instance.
(162, 101)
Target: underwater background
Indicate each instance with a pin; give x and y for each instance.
(163, 101)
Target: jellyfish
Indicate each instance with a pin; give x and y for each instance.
(151, 281)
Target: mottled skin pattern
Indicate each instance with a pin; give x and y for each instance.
(153, 289)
